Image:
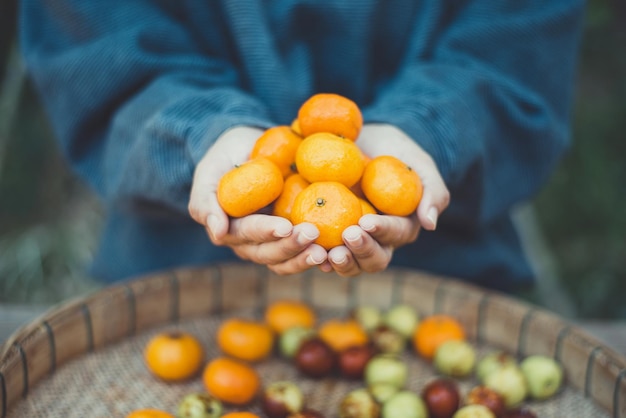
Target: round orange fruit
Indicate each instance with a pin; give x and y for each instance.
(249, 187)
(391, 186)
(341, 334)
(245, 339)
(328, 112)
(327, 157)
(331, 207)
(284, 314)
(149, 413)
(278, 144)
(173, 356)
(367, 208)
(240, 415)
(231, 381)
(294, 184)
(435, 330)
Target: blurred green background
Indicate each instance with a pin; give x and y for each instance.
(49, 220)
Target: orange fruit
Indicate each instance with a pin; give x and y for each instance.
(294, 184)
(328, 112)
(366, 207)
(284, 314)
(173, 356)
(278, 144)
(245, 339)
(240, 415)
(433, 331)
(249, 187)
(391, 186)
(327, 157)
(331, 207)
(341, 334)
(295, 126)
(231, 381)
(149, 413)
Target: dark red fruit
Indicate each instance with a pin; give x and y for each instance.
(306, 413)
(520, 413)
(315, 358)
(352, 360)
(488, 397)
(442, 398)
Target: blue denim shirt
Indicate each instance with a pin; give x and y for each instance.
(138, 90)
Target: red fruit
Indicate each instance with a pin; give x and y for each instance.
(352, 361)
(442, 398)
(488, 397)
(520, 413)
(315, 358)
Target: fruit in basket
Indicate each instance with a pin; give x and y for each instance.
(331, 207)
(520, 413)
(369, 317)
(327, 157)
(315, 358)
(352, 360)
(240, 415)
(510, 383)
(231, 381)
(435, 330)
(474, 411)
(455, 358)
(284, 314)
(149, 413)
(293, 185)
(359, 403)
(392, 186)
(388, 340)
(329, 112)
(306, 413)
(493, 361)
(342, 333)
(289, 341)
(249, 187)
(386, 368)
(404, 404)
(173, 356)
(199, 405)
(482, 395)
(402, 318)
(382, 392)
(245, 339)
(281, 399)
(442, 397)
(544, 376)
(279, 145)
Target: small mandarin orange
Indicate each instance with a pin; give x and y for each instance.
(173, 356)
(284, 314)
(249, 187)
(331, 207)
(329, 112)
(240, 415)
(278, 144)
(295, 126)
(245, 339)
(340, 334)
(231, 381)
(391, 186)
(294, 184)
(327, 157)
(149, 413)
(435, 330)
(367, 208)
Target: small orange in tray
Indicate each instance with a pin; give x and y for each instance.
(245, 339)
(391, 186)
(249, 187)
(331, 207)
(284, 314)
(341, 334)
(294, 184)
(329, 112)
(173, 356)
(231, 381)
(278, 144)
(240, 415)
(149, 413)
(327, 157)
(435, 330)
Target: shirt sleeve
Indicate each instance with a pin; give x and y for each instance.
(134, 98)
(489, 98)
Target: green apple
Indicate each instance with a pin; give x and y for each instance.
(474, 411)
(508, 381)
(386, 368)
(359, 403)
(291, 339)
(405, 404)
(402, 318)
(455, 358)
(199, 405)
(543, 376)
(370, 317)
(493, 361)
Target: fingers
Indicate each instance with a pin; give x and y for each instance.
(435, 198)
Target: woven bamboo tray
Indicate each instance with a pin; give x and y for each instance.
(83, 358)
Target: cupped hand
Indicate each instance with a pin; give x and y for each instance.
(260, 238)
(369, 246)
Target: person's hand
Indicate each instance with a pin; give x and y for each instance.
(369, 246)
(260, 238)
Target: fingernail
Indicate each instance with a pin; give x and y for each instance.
(311, 261)
(341, 260)
(353, 236)
(367, 224)
(282, 231)
(432, 216)
(305, 238)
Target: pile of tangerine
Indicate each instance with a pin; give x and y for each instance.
(313, 171)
